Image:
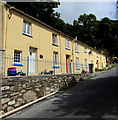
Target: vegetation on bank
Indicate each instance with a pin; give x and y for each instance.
(106, 68)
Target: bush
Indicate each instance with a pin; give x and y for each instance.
(112, 65)
(108, 68)
(96, 69)
(104, 68)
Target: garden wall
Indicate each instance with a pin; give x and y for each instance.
(18, 91)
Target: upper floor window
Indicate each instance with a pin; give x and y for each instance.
(26, 27)
(67, 44)
(17, 56)
(85, 62)
(77, 63)
(76, 47)
(90, 52)
(85, 50)
(54, 39)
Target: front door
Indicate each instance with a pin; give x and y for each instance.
(97, 62)
(91, 68)
(32, 61)
(67, 63)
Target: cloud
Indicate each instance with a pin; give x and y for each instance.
(72, 10)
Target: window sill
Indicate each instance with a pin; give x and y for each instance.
(77, 51)
(67, 48)
(77, 68)
(27, 34)
(56, 66)
(17, 64)
(55, 44)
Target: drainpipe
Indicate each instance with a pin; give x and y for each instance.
(3, 39)
(5, 29)
(73, 53)
(72, 63)
(8, 15)
(5, 35)
(60, 51)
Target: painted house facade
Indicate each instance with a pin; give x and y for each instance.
(35, 47)
(1, 47)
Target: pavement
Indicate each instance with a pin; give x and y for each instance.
(96, 98)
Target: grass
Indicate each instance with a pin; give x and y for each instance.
(88, 77)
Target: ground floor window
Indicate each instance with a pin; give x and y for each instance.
(55, 58)
(17, 56)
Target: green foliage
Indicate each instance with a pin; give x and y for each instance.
(43, 11)
(87, 29)
(108, 35)
(108, 68)
(102, 35)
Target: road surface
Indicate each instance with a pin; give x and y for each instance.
(95, 98)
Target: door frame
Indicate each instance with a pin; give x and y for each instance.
(32, 60)
(67, 63)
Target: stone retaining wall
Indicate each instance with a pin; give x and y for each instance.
(17, 91)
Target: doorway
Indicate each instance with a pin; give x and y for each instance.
(32, 60)
(67, 63)
(97, 62)
(91, 68)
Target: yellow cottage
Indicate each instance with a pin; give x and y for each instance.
(33, 47)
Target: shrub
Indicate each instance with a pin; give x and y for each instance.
(96, 69)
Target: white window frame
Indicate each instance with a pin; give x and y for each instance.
(85, 62)
(67, 43)
(55, 58)
(85, 50)
(26, 27)
(77, 62)
(54, 39)
(17, 56)
(76, 47)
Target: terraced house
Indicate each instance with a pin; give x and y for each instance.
(34, 47)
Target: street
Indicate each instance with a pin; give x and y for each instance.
(95, 98)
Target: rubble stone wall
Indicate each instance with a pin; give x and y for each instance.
(17, 91)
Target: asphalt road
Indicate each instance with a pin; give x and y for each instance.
(96, 98)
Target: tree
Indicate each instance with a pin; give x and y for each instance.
(43, 11)
(87, 28)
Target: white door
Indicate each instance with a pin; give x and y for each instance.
(32, 61)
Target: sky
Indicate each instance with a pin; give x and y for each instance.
(70, 11)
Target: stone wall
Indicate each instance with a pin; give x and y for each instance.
(17, 91)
